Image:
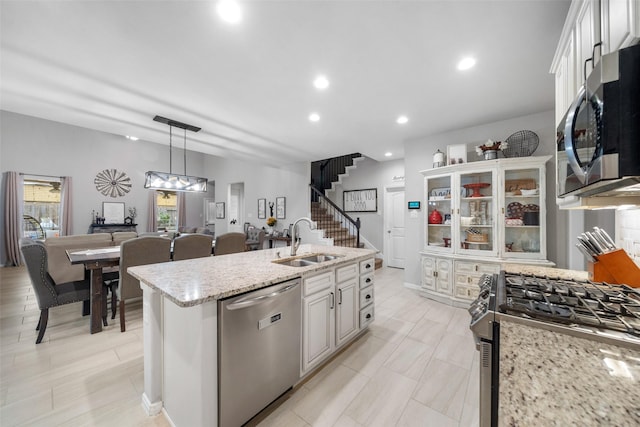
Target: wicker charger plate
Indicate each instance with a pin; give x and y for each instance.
(521, 144)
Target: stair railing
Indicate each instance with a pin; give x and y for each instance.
(324, 172)
(345, 221)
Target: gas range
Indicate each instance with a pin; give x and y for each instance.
(599, 308)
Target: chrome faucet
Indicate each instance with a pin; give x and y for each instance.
(294, 233)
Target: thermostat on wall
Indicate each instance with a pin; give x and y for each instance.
(414, 204)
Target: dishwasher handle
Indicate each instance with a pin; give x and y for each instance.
(251, 301)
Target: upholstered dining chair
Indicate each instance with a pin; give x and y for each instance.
(49, 293)
(255, 239)
(139, 251)
(111, 275)
(230, 243)
(192, 246)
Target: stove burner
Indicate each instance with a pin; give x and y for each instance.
(585, 303)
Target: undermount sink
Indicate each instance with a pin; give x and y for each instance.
(307, 260)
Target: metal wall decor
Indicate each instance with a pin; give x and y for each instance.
(111, 182)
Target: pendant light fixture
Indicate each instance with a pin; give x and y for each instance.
(171, 181)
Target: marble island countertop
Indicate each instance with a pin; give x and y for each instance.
(195, 281)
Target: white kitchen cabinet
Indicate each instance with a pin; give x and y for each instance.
(620, 26)
(436, 274)
(615, 23)
(332, 314)
(318, 319)
(347, 301)
(488, 212)
(366, 287)
(467, 276)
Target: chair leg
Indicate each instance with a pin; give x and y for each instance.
(114, 303)
(105, 291)
(42, 324)
(122, 328)
(86, 307)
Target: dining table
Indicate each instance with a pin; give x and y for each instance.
(95, 260)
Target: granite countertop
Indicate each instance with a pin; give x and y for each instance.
(565, 380)
(545, 271)
(195, 281)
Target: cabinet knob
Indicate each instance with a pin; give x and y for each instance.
(367, 266)
(368, 280)
(367, 297)
(368, 316)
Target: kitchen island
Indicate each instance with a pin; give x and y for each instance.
(180, 321)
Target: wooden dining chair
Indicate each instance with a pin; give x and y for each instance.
(192, 246)
(139, 251)
(230, 243)
(49, 293)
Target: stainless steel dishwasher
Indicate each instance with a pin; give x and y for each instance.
(258, 350)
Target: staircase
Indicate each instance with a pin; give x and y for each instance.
(332, 228)
(332, 220)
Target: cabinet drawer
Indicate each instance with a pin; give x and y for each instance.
(366, 280)
(366, 296)
(366, 316)
(311, 285)
(467, 292)
(477, 267)
(346, 272)
(367, 266)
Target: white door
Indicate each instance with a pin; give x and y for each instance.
(394, 226)
(236, 207)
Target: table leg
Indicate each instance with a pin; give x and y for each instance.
(95, 323)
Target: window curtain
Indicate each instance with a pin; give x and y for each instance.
(181, 203)
(13, 211)
(152, 220)
(66, 222)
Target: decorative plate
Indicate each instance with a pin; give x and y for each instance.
(515, 210)
(112, 183)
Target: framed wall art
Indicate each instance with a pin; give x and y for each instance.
(360, 200)
(220, 210)
(281, 207)
(262, 208)
(113, 212)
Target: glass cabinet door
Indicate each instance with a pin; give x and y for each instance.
(438, 215)
(476, 225)
(523, 213)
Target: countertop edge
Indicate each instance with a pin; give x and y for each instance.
(159, 276)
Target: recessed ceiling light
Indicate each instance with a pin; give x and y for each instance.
(402, 120)
(229, 11)
(321, 82)
(388, 154)
(466, 63)
(314, 117)
(133, 138)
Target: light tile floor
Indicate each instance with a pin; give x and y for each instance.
(416, 366)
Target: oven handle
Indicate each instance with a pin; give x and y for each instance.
(570, 148)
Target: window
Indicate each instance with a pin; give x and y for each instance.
(167, 210)
(41, 207)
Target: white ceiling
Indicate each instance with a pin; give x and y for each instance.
(113, 65)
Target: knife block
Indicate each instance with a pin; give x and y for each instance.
(615, 267)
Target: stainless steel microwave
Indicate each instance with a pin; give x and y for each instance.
(598, 140)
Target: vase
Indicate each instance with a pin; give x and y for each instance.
(490, 154)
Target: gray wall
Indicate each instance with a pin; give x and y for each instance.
(370, 173)
(419, 156)
(35, 146)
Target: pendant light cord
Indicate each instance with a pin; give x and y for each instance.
(170, 147)
(185, 151)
